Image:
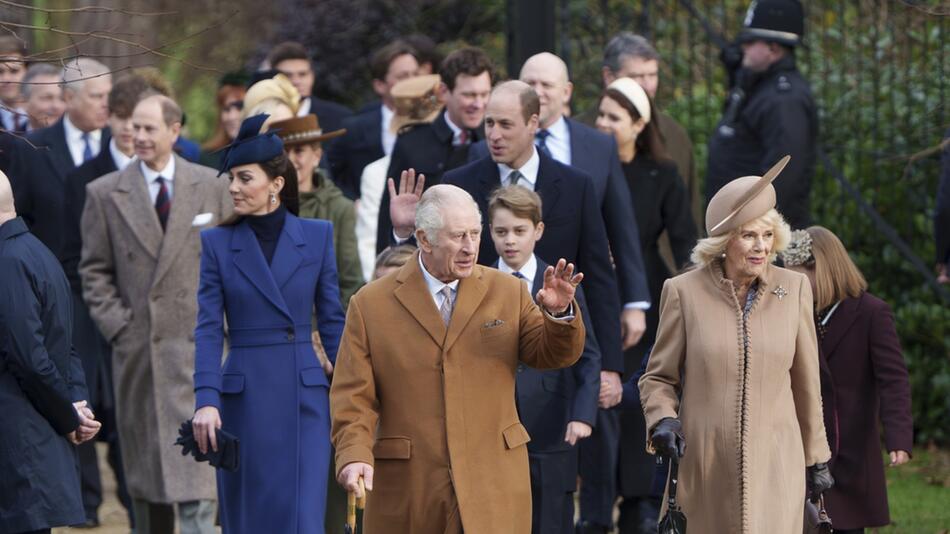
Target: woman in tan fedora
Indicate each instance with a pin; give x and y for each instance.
(320, 198)
(732, 385)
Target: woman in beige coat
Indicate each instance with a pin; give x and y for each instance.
(732, 384)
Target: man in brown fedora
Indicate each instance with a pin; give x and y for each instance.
(320, 198)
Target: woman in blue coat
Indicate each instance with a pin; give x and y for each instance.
(265, 271)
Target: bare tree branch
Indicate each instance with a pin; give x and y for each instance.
(86, 9)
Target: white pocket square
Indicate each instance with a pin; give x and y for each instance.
(202, 219)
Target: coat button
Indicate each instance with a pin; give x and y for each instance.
(290, 334)
(520, 367)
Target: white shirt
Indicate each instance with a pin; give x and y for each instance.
(372, 185)
(389, 138)
(76, 144)
(10, 117)
(435, 285)
(529, 171)
(529, 270)
(121, 160)
(456, 131)
(559, 141)
(168, 173)
(304, 108)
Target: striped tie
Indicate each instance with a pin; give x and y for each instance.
(447, 305)
(162, 203)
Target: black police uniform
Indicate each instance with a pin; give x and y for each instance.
(768, 115)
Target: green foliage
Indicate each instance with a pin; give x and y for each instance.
(918, 493)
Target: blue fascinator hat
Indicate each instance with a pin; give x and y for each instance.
(251, 146)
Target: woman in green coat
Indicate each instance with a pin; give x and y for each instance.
(320, 198)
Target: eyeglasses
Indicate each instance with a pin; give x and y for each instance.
(237, 105)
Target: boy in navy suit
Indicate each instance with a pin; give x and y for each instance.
(558, 407)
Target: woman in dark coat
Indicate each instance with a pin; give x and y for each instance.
(661, 202)
(266, 271)
(864, 377)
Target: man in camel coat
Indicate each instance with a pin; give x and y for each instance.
(423, 395)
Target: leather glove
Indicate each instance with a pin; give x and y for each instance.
(667, 438)
(819, 479)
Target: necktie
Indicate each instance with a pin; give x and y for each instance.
(162, 203)
(540, 139)
(462, 138)
(514, 176)
(520, 276)
(87, 148)
(447, 304)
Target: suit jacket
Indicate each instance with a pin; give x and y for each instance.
(38, 177)
(595, 154)
(39, 380)
(435, 413)
(140, 285)
(867, 367)
(331, 114)
(573, 230)
(942, 216)
(549, 399)
(362, 145)
(428, 149)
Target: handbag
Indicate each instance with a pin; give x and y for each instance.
(817, 520)
(674, 521)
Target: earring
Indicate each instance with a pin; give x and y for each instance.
(273, 198)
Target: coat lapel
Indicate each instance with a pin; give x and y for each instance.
(185, 203)
(548, 185)
(59, 150)
(471, 291)
(132, 200)
(413, 294)
(838, 325)
(289, 252)
(249, 259)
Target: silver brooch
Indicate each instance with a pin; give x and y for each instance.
(780, 292)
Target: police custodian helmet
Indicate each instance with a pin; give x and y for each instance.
(778, 21)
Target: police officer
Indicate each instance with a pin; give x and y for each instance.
(769, 112)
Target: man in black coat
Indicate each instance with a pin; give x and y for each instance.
(770, 112)
(42, 392)
(442, 145)
(368, 135)
(574, 227)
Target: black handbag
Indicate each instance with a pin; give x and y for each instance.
(816, 518)
(674, 521)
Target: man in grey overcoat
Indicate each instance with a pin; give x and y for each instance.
(139, 270)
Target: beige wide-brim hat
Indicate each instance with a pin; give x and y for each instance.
(742, 200)
(303, 130)
(416, 100)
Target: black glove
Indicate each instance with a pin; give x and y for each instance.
(667, 438)
(819, 479)
(226, 457)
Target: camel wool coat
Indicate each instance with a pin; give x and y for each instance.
(751, 416)
(433, 408)
(141, 284)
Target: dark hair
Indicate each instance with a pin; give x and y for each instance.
(125, 94)
(11, 44)
(627, 44)
(227, 91)
(650, 140)
(277, 166)
(469, 61)
(382, 58)
(426, 51)
(287, 50)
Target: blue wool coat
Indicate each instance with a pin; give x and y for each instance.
(271, 391)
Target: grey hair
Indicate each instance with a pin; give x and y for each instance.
(430, 207)
(76, 72)
(35, 71)
(627, 44)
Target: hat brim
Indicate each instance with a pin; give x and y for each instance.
(401, 121)
(753, 191)
(305, 140)
(760, 34)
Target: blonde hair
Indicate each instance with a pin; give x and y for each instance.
(710, 249)
(391, 257)
(836, 276)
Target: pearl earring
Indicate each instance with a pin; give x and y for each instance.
(273, 198)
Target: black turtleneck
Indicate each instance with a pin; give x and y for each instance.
(267, 229)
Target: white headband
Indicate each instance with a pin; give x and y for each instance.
(634, 94)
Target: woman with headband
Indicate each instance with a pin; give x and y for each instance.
(661, 203)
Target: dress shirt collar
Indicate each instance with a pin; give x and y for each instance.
(168, 173)
(559, 141)
(529, 170)
(456, 131)
(435, 285)
(76, 144)
(304, 109)
(121, 160)
(529, 270)
(387, 136)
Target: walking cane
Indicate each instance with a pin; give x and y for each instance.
(354, 511)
